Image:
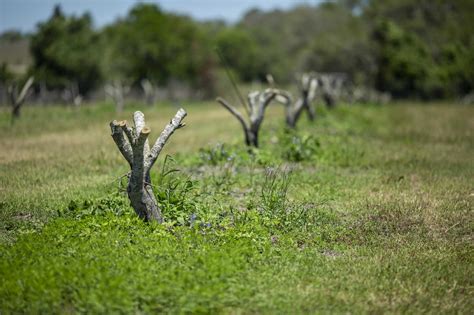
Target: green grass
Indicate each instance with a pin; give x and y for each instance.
(367, 210)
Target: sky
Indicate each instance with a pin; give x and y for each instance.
(24, 15)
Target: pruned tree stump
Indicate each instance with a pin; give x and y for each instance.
(255, 107)
(332, 86)
(308, 85)
(132, 142)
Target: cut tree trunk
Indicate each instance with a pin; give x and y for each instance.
(134, 146)
(255, 107)
(308, 85)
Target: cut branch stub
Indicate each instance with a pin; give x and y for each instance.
(133, 144)
(257, 102)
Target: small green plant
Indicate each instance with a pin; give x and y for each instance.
(173, 193)
(214, 155)
(116, 204)
(297, 148)
(274, 191)
(223, 178)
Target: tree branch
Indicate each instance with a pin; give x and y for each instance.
(139, 120)
(174, 124)
(264, 100)
(284, 97)
(123, 145)
(24, 90)
(128, 131)
(233, 111)
(142, 138)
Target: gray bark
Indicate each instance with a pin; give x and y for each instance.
(255, 107)
(308, 86)
(134, 146)
(17, 99)
(332, 86)
(293, 110)
(116, 91)
(149, 90)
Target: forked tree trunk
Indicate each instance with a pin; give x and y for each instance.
(255, 107)
(292, 110)
(331, 84)
(134, 146)
(17, 100)
(149, 91)
(116, 91)
(308, 85)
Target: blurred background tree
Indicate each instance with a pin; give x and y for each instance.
(424, 48)
(65, 51)
(241, 53)
(412, 49)
(151, 44)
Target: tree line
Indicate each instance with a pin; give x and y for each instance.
(410, 49)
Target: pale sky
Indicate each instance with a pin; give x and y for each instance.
(24, 15)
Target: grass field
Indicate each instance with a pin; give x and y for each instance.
(367, 210)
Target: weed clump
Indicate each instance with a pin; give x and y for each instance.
(298, 148)
(214, 155)
(174, 193)
(116, 204)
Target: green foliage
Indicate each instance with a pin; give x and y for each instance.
(215, 155)
(241, 53)
(5, 75)
(423, 47)
(274, 191)
(327, 37)
(404, 61)
(158, 46)
(173, 192)
(116, 204)
(297, 148)
(65, 51)
(412, 49)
